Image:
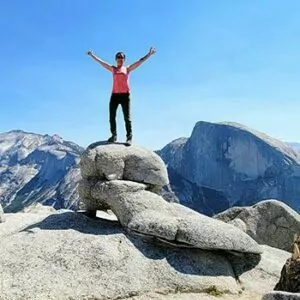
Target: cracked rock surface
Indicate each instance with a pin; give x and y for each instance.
(269, 222)
(66, 255)
(116, 161)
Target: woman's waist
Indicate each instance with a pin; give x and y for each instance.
(120, 93)
(121, 89)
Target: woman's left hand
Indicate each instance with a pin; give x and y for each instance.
(152, 51)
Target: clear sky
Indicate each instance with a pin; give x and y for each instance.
(216, 60)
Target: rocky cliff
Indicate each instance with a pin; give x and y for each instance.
(38, 168)
(227, 164)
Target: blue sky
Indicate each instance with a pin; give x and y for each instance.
(216, 61)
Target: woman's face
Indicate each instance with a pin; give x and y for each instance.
(120, 60)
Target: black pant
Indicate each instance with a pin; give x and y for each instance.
(124, 100)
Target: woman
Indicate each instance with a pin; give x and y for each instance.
(120, 91)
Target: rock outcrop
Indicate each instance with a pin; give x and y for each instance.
(268, 222)
(66, 255)
(227, 164)
(281, 296)
(127, 181)
(290, 274)
(115, 161)
(290, 277)
(2, 218)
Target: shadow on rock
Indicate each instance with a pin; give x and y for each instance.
(243, 262)
(102, 143)
(78, 222)
(196, 261)
(184, 260)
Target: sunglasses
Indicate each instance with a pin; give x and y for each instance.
(120, 57)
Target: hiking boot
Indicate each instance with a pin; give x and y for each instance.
(112, 139)
(128, 141)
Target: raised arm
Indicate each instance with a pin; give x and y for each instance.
(102, 63)
(141, 60)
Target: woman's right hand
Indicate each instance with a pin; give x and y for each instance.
(90, 53)
(152, 51)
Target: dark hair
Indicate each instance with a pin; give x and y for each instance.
(120, 54)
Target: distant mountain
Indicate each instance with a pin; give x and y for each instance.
(226, 164)
(218, 166)
(37, 168)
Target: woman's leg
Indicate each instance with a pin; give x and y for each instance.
(125, 103)
(113, 106)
